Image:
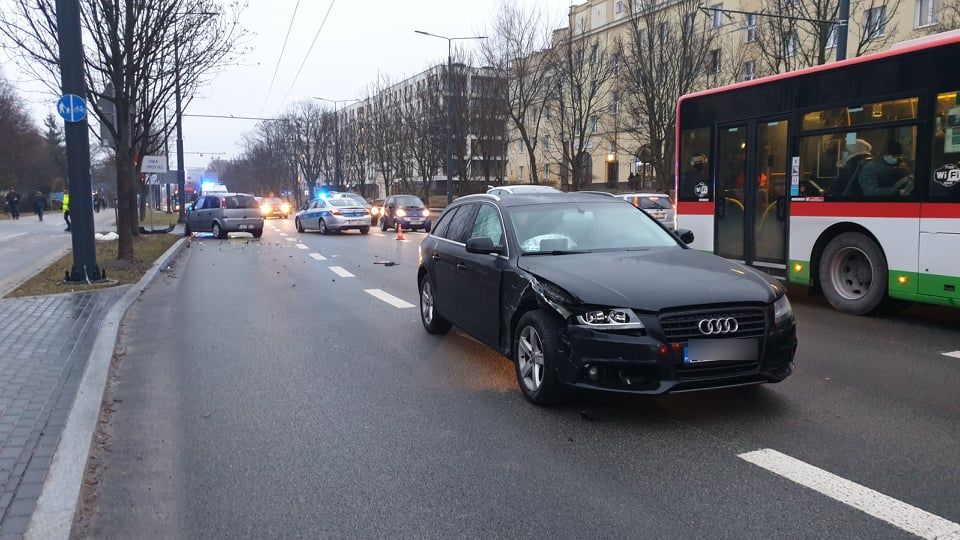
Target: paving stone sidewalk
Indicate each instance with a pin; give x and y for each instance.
(44, 345)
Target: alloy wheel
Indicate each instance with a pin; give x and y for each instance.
(426, 301)
(530, 358)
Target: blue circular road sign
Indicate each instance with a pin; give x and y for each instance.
(72, 108)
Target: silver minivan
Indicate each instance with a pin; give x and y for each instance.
(658, 205)
(223, 213)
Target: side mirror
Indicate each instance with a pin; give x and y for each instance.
(190, 207)
(482, 245)
(686, 235)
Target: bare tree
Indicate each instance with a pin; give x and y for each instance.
(582, 79)
(519, 50)
(310, 128)
(130, 65)
(489, 118)
(381, 129)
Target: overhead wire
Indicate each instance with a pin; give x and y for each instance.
(282, 50)
(307, 56)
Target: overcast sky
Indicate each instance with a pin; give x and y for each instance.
(361, 39)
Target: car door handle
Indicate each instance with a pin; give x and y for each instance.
(461, 266)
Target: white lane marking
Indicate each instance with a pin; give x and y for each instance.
(12, 236)
(340, 271)
(388, 298)
(318, 256)
(292, 239)
(302, 246)
(874, 503)
(952, 354)
(378, 234)
(283, 234)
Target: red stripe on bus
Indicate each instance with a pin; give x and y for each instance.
(695, 208)
(940, 210)
(857, 209)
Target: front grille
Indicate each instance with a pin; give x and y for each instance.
(716, 369)
(681, 327)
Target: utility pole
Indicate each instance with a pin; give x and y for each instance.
(77, 138)
(449, 99)
(181, 172)
(843, 27)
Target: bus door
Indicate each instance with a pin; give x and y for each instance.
(751, 177)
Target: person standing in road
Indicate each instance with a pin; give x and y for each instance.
(96, 203)
(39, 204)
(13, 201)
(66, 209)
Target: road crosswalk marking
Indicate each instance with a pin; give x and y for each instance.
(341, 271)
(897, 513)
(302, 246)
(388, 298)
(318, 256)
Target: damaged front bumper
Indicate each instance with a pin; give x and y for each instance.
(640, 362)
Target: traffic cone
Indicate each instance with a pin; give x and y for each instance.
(399, 231)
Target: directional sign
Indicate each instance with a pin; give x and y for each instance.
(153, 165)
(72, 108)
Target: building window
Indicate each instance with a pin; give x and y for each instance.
(688, 21)
(615, 103)
(715, 58)
(876, 22)
(522, 177)
(832, 37)
(749, 70)
(546, 141)
(593, 124)
(926, 13)
(792, 43)
(619, 9)
(594, 49)
(751, 28)
(716, 15)
(520, 145)
(546, 171)
(613, 147)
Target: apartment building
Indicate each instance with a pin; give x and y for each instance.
(746, 44)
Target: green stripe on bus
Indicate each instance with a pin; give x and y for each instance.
(799, 272)
(903, 284)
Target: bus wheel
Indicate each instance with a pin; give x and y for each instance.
(853, 274)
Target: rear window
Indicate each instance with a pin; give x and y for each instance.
(655, 203)
(409, 201)
(344, 202)
(235, 202)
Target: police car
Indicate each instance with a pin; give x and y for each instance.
(333, 215)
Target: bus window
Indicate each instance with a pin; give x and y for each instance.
(695, 182)
(859, 165)
(945, 172)
(871, 113)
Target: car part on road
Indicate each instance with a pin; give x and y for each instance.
(853, 274)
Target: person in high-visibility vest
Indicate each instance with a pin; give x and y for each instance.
(66, 210)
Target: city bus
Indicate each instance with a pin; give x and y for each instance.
(843, 177)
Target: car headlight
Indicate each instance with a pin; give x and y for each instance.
(265, 209)
(610, 319)
(782, 310)
(285, 208)
(426, 212)
(374, 211)
(401, 213)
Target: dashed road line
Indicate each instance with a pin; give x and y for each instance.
(318, 256)
(952, 354)
(283, 234)
(292, 239)
(388, 298)
(897, 513)
(378, 234)
(341, 271)
(302, 246)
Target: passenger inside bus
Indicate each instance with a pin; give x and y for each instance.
(855, 156)
(887, 176)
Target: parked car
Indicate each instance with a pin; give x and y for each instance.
(333, 215)
(224, 213)
(588, 292)
(658, 205)
(406, 210)
(520, 189)
(274, 207)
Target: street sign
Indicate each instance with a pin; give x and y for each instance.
(72, 108)
(153, 165)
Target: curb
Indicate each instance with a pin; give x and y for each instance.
(57, 504)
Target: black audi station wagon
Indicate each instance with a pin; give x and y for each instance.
(589, 292)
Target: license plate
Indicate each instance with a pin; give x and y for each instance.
(356, 221)
(416, 221)
(720, 350)
(245, 227)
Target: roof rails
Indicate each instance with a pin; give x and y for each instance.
(486, 195)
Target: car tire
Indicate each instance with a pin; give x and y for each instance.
(257, 233)
(218, 231)
(426, 229)
(364, 230)
(433, 323)
(186, 230)
(323, 227)
(853, 274)
(541, 332)
(383, 224)
(299, 225)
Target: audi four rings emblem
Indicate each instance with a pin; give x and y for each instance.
(711, 327)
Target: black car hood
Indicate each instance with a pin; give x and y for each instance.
(651, 280)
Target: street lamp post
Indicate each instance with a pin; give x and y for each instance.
(337, 157)
(449, 99)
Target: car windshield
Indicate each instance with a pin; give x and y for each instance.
(655, 202)
(241, 201)
(409, 201)
(585, 227)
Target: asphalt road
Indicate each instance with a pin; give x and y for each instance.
(261, 394)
